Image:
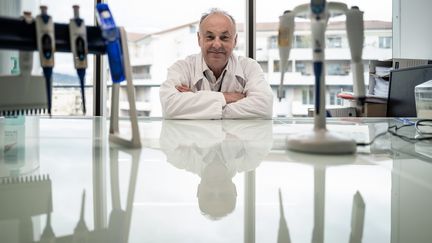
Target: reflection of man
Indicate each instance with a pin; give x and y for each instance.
(216, 83)
(216, 151)
(216, 192)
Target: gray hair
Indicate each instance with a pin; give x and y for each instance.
(218, 11)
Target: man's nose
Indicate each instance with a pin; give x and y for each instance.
(217, 43)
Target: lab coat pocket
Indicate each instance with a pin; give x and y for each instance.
(240, 85)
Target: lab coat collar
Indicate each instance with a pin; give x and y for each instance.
(232, 67)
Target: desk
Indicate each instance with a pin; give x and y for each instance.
(209, 181)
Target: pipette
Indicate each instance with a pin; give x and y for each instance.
(78, 40)
(46, 47)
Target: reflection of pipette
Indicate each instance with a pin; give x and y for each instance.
(48, 235)
(78, 40)
(46, 47)
(283, 233)
(81, 231)
(357, 218)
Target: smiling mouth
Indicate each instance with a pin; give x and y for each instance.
(217, 53)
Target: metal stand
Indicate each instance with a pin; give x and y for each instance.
(114, 133)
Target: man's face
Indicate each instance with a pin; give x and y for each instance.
(217, 39)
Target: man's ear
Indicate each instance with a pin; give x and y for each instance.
(198, 38)
(235, 40)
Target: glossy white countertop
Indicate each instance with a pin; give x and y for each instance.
(209, 181)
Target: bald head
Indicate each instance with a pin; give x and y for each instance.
(221, 12)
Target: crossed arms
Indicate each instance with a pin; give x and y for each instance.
(251, 99)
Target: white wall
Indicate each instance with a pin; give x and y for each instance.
(412, 29)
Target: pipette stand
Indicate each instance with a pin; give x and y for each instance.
(114, 132)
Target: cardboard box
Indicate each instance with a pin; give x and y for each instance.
(375, 110)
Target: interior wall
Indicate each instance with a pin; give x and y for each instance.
(412, 29)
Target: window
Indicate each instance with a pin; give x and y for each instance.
(334, 42)
(385, 42)
(334, 100)
(66, 93)
(302, 41)
(308, 96)
(156, 49)
(272, 42)
(276, 66)
(338, 56)
(264, 65)
(303, 67)
(340, 68)
(141, 72)
(169, 37)
(334, 69)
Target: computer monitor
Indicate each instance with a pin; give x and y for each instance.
(401, 99)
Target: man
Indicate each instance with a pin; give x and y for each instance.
(216, 84)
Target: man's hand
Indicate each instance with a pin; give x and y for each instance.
(183, 88)
(231, 97)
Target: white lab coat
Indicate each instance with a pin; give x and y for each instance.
(242, 75)
(239, 145)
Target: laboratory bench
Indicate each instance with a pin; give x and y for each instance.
(62, 180)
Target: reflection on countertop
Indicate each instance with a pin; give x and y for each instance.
(19, 145)
(229, 170)
(27, 200)
(216, 151)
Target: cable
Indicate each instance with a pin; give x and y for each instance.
(373, 140)
(417, 125)
(393, 130)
